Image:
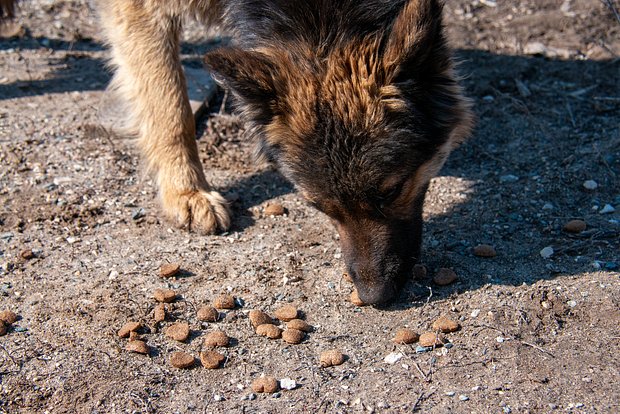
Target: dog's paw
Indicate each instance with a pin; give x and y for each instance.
(200, 210)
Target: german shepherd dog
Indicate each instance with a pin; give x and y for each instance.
(355, 101)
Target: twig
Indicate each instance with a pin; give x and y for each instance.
(537, 347)
(419, 399)
(611, 7)
(424, 376)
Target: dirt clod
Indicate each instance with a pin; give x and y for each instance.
(265, 385)
(485, 250)
(164, 295)
(293, 336)
(224, 302)
(274, 209)
(575, 226)
(299, 324)
(178, 331)
(269, 330)
(128, 328)
(217, 338)
(431, 339)
(258, 318)
(211, 359)
(405, 336)
(208, 314)
(169, 269)
(331, 357)
(355, 299)
(27, 254)
(159, 313)
(445, 325)
(181, 360)
(445, 276)
(286, 313)
(9, 317)
(137, 346)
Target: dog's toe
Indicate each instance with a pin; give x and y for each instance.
(204, 211)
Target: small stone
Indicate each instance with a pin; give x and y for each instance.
(269, 330)
(258, 318)
(27, 254)
(463, 397)
(9, 317)
(286, 313)
(274, 209)
(347, 277)
(218, 398)
(445, 325)
(431, 339)
(445, 276)
(299, 325)
(405, 336)
(508, 178)
(169, 269)
(393, 358)
(421, 349)
(265, 385)
(450, 393)
(355, 299)
(164, 295)
(217, 338)
(607, 209)
(208, 314)
(331, 357)
(137, 346)
(293, 336)
(575, 226)
(211, 359)
(547, 252)
(224, 302)
(128, 328)
(159, 313)
(484, 250)
(419, 271)
(178, 331)
(475, 313)
(181, 360)
(590, 185)
(288, 384)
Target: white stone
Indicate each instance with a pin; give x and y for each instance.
(547, 252)
(607, 208)
(590, 185)
(393, 358)
(288, 384)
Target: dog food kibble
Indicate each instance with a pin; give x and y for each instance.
(164, 295)
(331, 357)
(178, 331)
(445, 325)
(27, 254)
(286, 313)
(575, 226)
(137, 346)
(133, 336)
(293, 336)
(9, 317)
(269, 330)
(216, 338)
(419, 271)
(208, 314)
(265, 384)
(428, 339)
(258, 318)
(299, 325)
(355, 299)
(224, 302)
(159, 314)
(128, 328)
(211, 359)
(484, 250)
(405, 336)
(3, 328)
(181, 360)
(445, 276)
(169, 269)
(274, 209)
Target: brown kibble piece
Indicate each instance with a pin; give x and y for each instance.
(178, 331)
(265, 384)
(286, 313)
(8, 316)
(274, 209)
(208, 314)
(216, 338)
(169, 269)
(224, 302)
(331, 357)
(128, 328)
(293, 336)
(419, 271)
(3, 328)
(27, 254)
(133, 336)
(347, 277)
(445, 325)
(431, 339)
(405, 336)
(299, 325)
(181, 360)
(355, 299)
(258, 318)
(159, 314)
(445, 276)
(164, 295)
(575, 226)
(484, 250)
(269, 330)
(211, 359)
(137, 346)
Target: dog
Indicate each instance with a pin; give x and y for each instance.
(356, 102)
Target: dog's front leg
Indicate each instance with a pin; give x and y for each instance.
(145, 50)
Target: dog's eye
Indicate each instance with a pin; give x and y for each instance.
(388, 196)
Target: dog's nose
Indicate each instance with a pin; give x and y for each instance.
(373, 292)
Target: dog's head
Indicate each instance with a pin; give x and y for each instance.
(360, 125)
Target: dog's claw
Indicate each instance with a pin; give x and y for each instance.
(200, 210)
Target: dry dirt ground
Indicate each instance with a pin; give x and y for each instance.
(538, 334)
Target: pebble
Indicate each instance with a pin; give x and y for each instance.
(169, 269)
(607, 209)
(9, 317)
(484, 250)
(288, 384)
(159, 313)
(445, 276)
(575, 226)
(224, 302)
(445, 325)
(393, 358)
(137, 346)
(258, 318)
(27, 254)
(127, 328)
(508, 178)
(450, 393)
(331, 357)
(265, 385)
(300, 325)
(293, 336)
(286, 313)
(347, 277)
(274, 209)
(475, 313)
(208, 314)
(211, 359)
(405, 336)
(547, 252)
(217, 338)
(421, 349)
(164, 295)
(431, 339)
(269, 330)
(355, 299)
(419, 271)
(463, 397)
(178, 331)
(218, 398)
(590, 185)
(181, 360)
